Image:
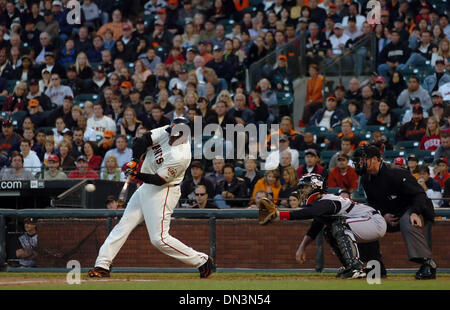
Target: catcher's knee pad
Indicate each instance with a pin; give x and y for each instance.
(345, 244)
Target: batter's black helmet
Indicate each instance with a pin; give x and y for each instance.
(175, 122)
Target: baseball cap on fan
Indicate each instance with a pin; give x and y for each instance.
(399, 161)
(53, 157)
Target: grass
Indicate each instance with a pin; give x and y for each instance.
(219, 281)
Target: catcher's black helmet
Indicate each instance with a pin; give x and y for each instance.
(317, 183)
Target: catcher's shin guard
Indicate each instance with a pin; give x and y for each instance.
(346, 246)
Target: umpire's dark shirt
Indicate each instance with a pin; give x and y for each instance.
(394, 190)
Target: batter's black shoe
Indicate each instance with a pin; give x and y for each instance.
(427, 271)
(98, 272)
(207, 268)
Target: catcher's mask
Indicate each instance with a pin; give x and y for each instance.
(310, 187)
(361, 155)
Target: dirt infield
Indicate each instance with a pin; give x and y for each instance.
(219, 281)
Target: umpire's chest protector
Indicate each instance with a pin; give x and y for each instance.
(391, 190)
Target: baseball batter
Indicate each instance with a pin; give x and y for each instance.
(167, 156)
(346, 223)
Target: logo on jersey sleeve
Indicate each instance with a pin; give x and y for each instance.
(172, 171)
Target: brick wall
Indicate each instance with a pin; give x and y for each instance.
(240, 244)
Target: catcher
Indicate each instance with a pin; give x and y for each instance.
(346, 223)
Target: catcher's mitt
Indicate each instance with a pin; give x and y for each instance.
(268, 211)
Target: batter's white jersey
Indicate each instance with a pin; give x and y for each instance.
(170, 162)
(155, 204)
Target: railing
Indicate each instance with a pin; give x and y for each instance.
(293, 50)
(211, 215)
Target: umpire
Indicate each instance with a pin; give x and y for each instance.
(402, 201)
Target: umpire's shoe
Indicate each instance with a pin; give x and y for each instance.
(98, 272)
(207, 268)
(427, 271)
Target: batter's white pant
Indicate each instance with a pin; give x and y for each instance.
(366, 229)
(154, 205)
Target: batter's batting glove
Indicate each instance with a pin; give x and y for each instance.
(131, 169)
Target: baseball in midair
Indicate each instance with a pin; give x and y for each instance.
(90, 188)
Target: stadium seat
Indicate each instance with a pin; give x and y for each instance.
(326, 155)
(333, 190)
(285, 98)
(316, 130)
(390, 155)
(82, 98)
(11, 84)
(407, 145)
(372, 128)
(17, 118)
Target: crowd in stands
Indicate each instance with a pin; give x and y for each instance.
(73, 95)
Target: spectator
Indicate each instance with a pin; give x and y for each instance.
(49, 147)
(442, 171)
(65, 112)
(231, 187)
(329, 117)
(337, 41)
(290, 180)
(100, 122)
(280, 145)
(116, 25)
(89, 149)
(444, 148)
(111, 203)
(240, 112)
(400, 161)
(58, 130)
(347, 148)
(197, 178)
(316, 46)
(343, 176)
(130, 123)
(89, 133)
(311, 165)
(413, 165)
(221, 67)
(438, 109)
(439, 78)
(156, 119)
(414, 129)
(31, 161)
(369, 105)
(396, 86)
(393, 54)
(34, 92)
(358, 118)
(314, 88)
(432, 138)
(414, 90)
(201, 199)
(56, 91)
(384, 116)
(83, 171)
(111, 169)
(309, 143)
(280, 76)
(17, 101)
(421, 54)
(121, 152)
(53, 172)
(294, 200)
(16, 170)
(66, 161)
(430, 185)
(106, 143)
(217, 174)
(346, 132)
(270, 183)
(73, 81)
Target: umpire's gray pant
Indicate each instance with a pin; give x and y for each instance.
(415, 241)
